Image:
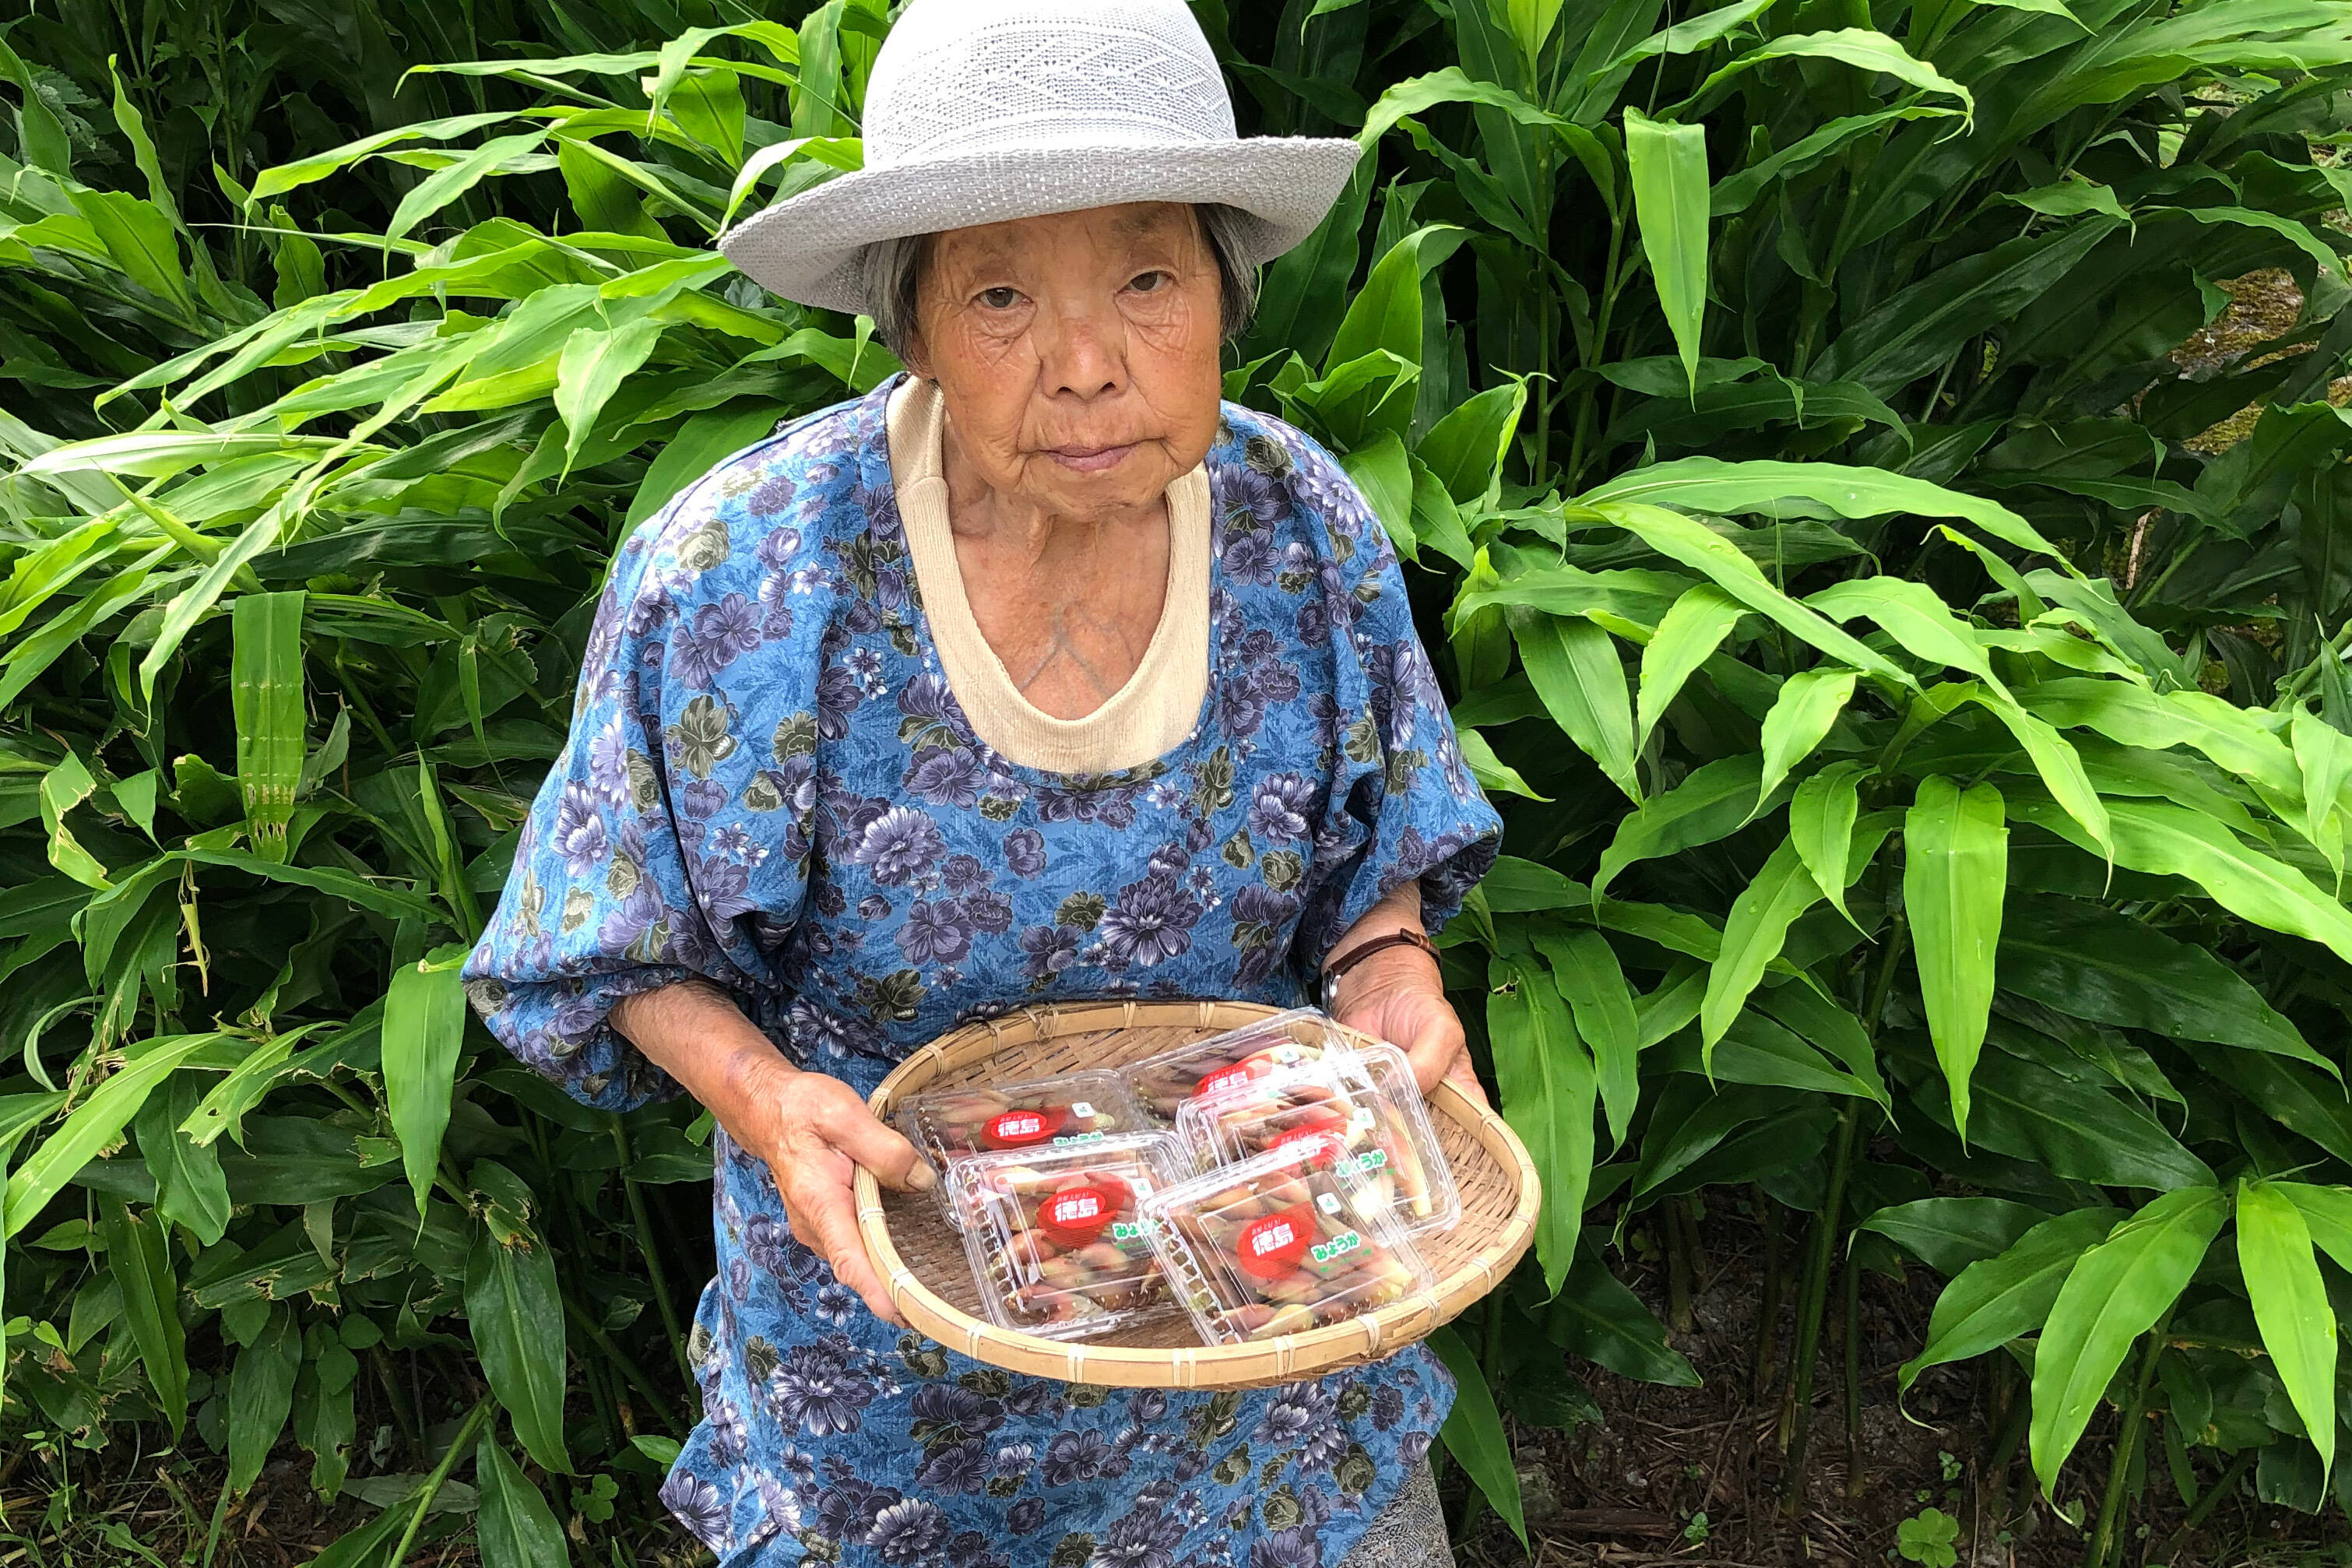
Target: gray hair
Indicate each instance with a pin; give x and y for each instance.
(891, 271)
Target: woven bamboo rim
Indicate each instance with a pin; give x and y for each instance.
(922, 1261)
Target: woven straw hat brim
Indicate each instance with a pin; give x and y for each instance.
(806, 248)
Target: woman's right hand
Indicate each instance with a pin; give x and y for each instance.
(813, 1132)
(810, 1131)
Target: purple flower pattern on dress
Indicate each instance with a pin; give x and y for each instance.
(770, 786)
(1152, 922)
(1277, 812)
(578, 833)
(934, 932)
(899, 846)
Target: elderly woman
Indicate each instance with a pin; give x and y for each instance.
(1037, 674)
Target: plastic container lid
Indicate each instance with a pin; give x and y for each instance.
(1038, 1113)
(1291, 1240)
(1161, 1084)
(1364, 1103)
(1057, 1236)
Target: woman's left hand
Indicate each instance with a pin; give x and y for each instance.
(1397, 995)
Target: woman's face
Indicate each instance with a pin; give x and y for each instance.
(1077, 353)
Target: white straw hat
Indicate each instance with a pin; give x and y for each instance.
(981, 111)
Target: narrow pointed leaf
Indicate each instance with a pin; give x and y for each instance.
(1575, 669)
(2324, 754)
(1668, 167)
(1809, 704)
(1672, 1006)
(2089, 962)
(62, 788)
(1547, 1083)
(1990, 1303)
(2113, 1295)
(2326, 1216)
(1700, 548)
(1474, 1433)
(190, 1189)
(2061, 767)
(2291, 1308)
(1693, 628)
(1585, 970)
(1756, 1050)
(1913, 616)
(446, 183)
(423, 1025)
(1807, 489)
(1753, 934)
(261, 1395)
(1824, 1025)
(2132, 715)
(285, 177)
(1869, 52)
(138, 1257)
(95, 1122)
(1711, 803)
(1955, 868)
(592, 368)
(1949, 1234)
(515, 1314)
(1821, 826)
(2169, 840)
(2071, 1127)
(1467, 449)
(1386, 313)
(515, 1529)
(1490, 771)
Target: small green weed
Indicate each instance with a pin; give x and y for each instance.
(1929, 1539)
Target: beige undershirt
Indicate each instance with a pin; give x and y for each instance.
(1148, 717)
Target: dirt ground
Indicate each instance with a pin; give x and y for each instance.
(2263, 305)
(1697, 1476)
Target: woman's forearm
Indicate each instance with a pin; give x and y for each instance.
(812, 1131)
(1397, 992)
(1397, 966)
(1398, 911)
(695, 1032)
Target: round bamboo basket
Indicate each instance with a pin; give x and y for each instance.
(921, 1258)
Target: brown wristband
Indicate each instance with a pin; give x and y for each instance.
(1356, 955)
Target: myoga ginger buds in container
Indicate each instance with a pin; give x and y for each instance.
(1057, 1237)
(1288, 1241)
(1161, 1084)
(1364, 1103)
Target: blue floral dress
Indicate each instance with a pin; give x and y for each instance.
(769, 785)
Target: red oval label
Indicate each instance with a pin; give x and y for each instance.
(1240, 1073)
(1256, 1064)
(1223, 1077)
(1019, 1129)
(1326, 1144)
(1271, 1246)
(1075, 1215)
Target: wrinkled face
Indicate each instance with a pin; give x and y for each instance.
(1077, 353)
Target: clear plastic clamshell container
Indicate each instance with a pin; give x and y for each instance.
(1291, 1240)
(1040, 1113)
(1057, 1238)
(1161, 1084)
(1364, 1103)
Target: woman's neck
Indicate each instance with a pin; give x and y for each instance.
(1069, 603)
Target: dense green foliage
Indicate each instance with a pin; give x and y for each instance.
(1776, 405)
